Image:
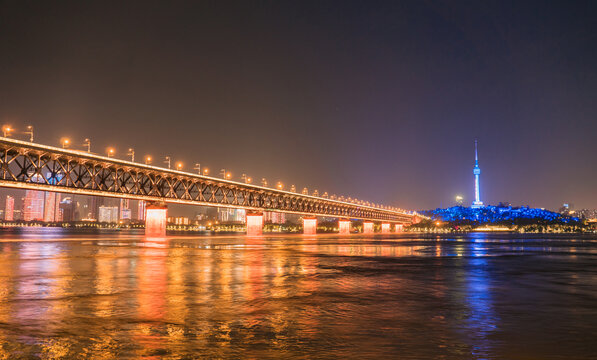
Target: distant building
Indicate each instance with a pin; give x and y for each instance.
(67, 209)
(33, 205)
(231, 215)
(108, 214)
(141, 210)
(9, 208)
(477, 173)
(124, 206)
(52, 207)
(179, 220)
(274, 217)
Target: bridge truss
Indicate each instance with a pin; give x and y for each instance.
(33, 166)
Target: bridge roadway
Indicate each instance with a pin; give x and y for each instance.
(33, 166)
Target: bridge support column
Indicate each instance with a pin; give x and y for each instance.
(344, 227)
(385, 228)
(156, 216)
(398, 227)
(367, 227)
(309, 226)
(254, 224)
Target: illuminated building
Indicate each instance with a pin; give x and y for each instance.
(231, 215)
(52, 207)
(33, 205)
(125, 211)
(67, 209)
(274, 217)
(141, 210)
(108, 214)
(477, 172)
(9, 208)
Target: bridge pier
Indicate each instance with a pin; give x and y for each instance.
(309, 225)
(385, 228)
(398, 228)
(344, 227)
(254, 224)
(156, 216)
(367, 227)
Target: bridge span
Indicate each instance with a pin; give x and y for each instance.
(32, 166)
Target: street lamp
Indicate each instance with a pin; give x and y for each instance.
(167, 161)
(179, 166)
(263, 182)
(198, 168)
(147, 160)
(30, 132)
(65, 143)
(279, 185)
(6, 129)
(132, 154)
(228, 176)
(110, 152)
(88, 144)
(205, 171)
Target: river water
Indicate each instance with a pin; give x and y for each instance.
(408, 296)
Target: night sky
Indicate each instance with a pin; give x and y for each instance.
(377, 100)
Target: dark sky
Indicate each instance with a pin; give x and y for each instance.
(377, 100)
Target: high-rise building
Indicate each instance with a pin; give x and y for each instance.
(274, 217)
(231, 215)
(477, 173)
(125, 211)
(52, 207)
(141, 210)
(9, 208)
(108, 214)
(33, 205)
(67, 209)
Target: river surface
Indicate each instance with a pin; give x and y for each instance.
(408, 296)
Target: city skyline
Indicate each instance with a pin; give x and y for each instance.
(393, 93)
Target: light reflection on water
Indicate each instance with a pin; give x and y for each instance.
(119, 295)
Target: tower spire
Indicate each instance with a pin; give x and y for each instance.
(477, 173)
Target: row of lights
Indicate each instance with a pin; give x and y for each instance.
(111, 152)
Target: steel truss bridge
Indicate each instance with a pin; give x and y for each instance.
(32, 166)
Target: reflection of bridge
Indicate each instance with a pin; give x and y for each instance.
(26, 165)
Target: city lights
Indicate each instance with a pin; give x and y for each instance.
(110, 151)
(65, 143)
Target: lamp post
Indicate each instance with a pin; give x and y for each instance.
(147, 160)
(65, 143)
(167, 161)
(111, 152)
(88, 144)
(132, 154)
(30, 132)
(6, 129)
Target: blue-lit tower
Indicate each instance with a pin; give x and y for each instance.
(477, 172)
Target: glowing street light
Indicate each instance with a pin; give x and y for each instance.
(167, 161)
(198, 168)
(6, 129)
(110, 151)
(205, 171)
(279, 186)
(88, 144)
(147, 160)
(132, 154)
(179, 166)
(228, 176)
(264, 182)
(65, 143)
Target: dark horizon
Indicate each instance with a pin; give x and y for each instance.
(380, 101)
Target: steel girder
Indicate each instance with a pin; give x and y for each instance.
(38, 167)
